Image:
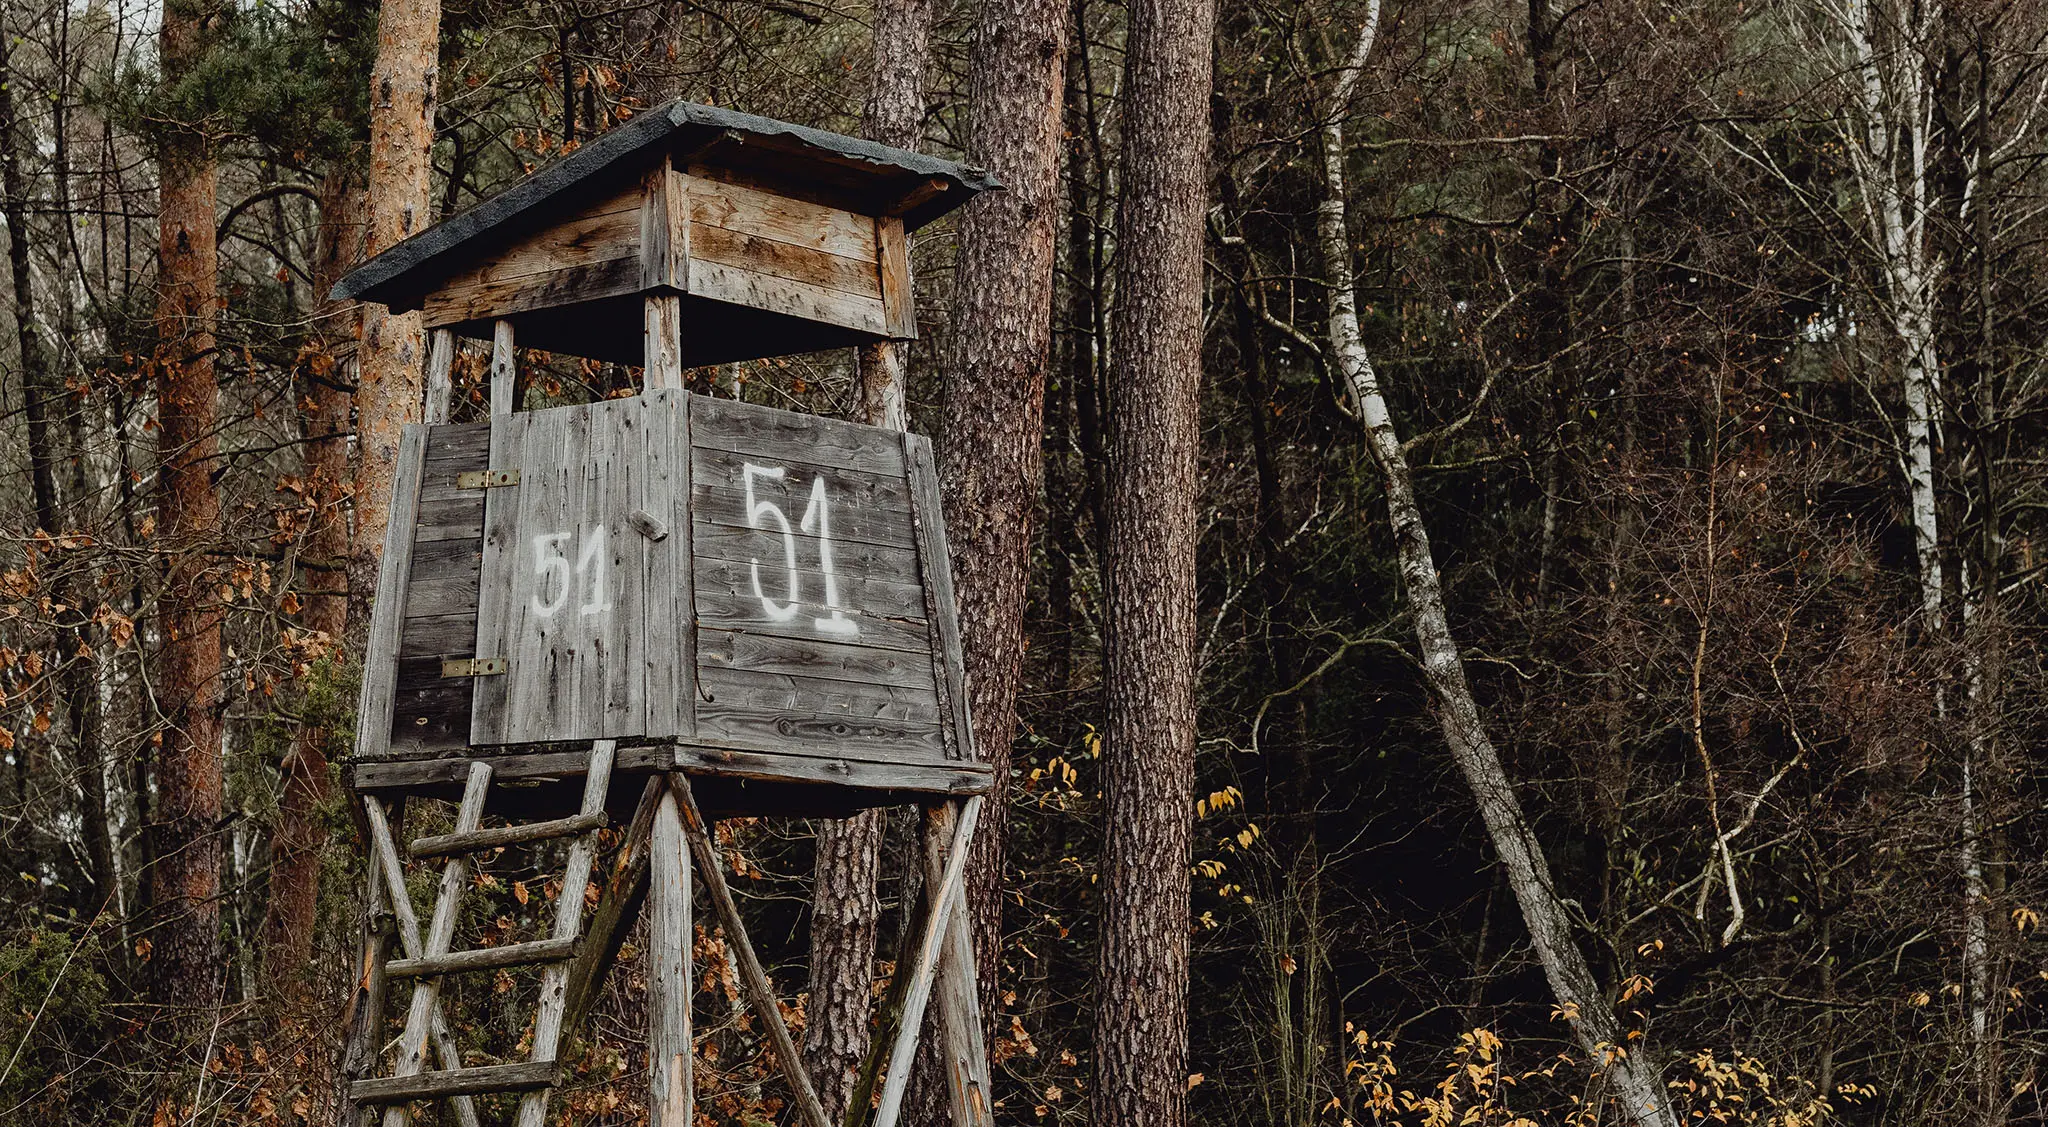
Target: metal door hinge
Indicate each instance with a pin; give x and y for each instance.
(486, 479)
(474, 667)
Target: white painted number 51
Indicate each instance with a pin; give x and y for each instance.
(816, 521)
(553, 580)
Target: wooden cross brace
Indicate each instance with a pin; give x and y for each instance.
(652, 871)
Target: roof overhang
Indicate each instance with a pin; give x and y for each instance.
(833, 168)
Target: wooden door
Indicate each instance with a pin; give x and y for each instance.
(585, 580)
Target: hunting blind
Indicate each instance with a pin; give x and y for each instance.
(718, 600)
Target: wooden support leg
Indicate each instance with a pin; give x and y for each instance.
(624, 892)
(365, 1020)
(860, 1110)
(663, 342)
(440, 376)
(504, 369)
(670, 1097)
(963, 1043)
(945, 895)
(426, 993)
(759, 993)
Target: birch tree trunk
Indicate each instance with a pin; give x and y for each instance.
(991, 458)
(185, 875)
(43, 392)
(846, 906)
(391, 358)
(1635, 1079)
(1888, 45)
(1141, 971)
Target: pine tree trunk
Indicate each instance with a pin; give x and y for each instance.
(185, 877)
(296, 845)
(1632, 1073)
(991, 457)
(391, 360)
(846, 905)
(1141, 976)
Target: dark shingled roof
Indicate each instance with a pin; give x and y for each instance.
(682, 128)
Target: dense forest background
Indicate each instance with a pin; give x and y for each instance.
(1714, 337)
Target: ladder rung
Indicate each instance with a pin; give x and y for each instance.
(454, 1082)
(484, 958)
(441, 845)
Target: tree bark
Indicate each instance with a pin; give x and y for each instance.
(299, 838)
(42, 391)
(391, 360)
(846, 905)
(1890, 146)
(1141, 975)
(991, 458)
(1635, 1077)
(185, 876)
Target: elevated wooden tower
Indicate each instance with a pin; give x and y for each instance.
(743, 610)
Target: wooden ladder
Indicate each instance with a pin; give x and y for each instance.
(428, 956)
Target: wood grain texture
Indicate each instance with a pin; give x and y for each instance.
(664, 256)
(431, 714)
(718, 609)
(591, 241)
(504, 372)
(792, 766)
(670, 940)
(461, 1082)
(670, 604)
(743, 428)
(741, 285)
(478, 300)
(439, 636)
(867, 508)
(587, 612)
(661, 341)
(375, 705)
(853, 562)
(806, 695)
(761, 254)
(498, 836)
(485, 958)
(948, 654)
(832, 661)
(868, 594)
(948, 895)
(750, 210)
(429, 773)
(962, 1045)
(892, 263)
(440, 387)
(850, 737)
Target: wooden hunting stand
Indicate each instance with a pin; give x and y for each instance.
(746, 611)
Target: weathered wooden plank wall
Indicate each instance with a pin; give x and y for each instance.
(813, 630)
(767, 589)
(595, 253)
(431, 713)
